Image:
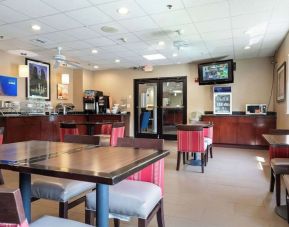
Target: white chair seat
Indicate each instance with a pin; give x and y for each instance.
(129, 198)
(57, 189)
(49, 221)
(208, 141)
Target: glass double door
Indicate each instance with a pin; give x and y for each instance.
(160, 104)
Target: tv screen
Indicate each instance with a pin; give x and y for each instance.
(8, 86)
(220, 72)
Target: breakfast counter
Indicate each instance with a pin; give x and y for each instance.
(46, 127)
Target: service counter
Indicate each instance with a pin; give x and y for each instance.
(23, 128)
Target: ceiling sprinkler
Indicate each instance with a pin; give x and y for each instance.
(170, 6)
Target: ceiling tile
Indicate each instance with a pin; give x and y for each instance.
(81, 33)
(101, 41)
(75, 45)
(192, 3)
(59, 37)
(129, 37)
(114, 24)
(65, 5)
(213, 11)
(14, 44)
(89, 16)
(280, 13)
(60, 22)
(113, 48)
(111, 9)
(214, 25)
(31, 8)
(217, 35)
(138, 24)
(159, 6)
(172, 18)
(12, 31)
(9, 16)
(251, 21)
(26, 26)
(238, 7)
(265, 52)
(186, 29)
(152, 34)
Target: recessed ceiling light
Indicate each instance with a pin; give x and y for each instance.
(108, 29)
(247, 47)
(122, 11)
(36, 27)
(175, 54)
(94, 51)
(117, 61)
(152, 57)
(161, 43)
(95, 66)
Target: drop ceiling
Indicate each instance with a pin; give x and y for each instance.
(213, 28)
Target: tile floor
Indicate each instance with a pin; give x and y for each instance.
(233, 192)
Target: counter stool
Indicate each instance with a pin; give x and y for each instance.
(12, 213)
(1, 142)
(67, 128)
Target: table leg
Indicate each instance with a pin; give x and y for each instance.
(102, 205)
(90, 130)
(25, 188)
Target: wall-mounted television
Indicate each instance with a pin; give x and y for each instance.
(8, 86)
(220, 72)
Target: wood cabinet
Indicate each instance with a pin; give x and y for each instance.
(241, 129)
(25, 128)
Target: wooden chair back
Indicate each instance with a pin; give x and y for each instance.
(85, 139)
(145, 143)
(279, 131)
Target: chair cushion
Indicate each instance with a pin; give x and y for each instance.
(49, 221)
(130, 198)
(57, 189)
(280, 165)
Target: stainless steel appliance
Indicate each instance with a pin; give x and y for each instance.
(63, 108)
(90, 101)
(103, 103)
(256, 109)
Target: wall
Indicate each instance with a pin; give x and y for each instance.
(9, 67)
(282, 55)
(253, 81)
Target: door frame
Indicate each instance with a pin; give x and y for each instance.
(159, 82)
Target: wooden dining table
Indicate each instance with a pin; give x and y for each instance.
(101, 165)
(278, 141)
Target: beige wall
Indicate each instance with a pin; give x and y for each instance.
(253, 80)
(9, 67)
(282, 55)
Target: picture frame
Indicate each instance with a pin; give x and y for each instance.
(62, 91)
(38, 81)
(281, 83)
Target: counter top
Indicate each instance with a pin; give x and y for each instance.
(239, 115)
(68, 114)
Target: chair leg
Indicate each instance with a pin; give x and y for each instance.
(160, 215)
(203, 160)
(184, 158)
(116, 222)
(1, 178)
(272, 181)
(287, 204)
(187, 156)
(63, 209)
(142, 222)
(178, 161)
(278, 189)
(211, 150)
(89, 217)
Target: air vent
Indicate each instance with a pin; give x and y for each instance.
(39, 41)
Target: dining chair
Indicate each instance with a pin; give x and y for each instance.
(117, 131)
(190, 139)
(286, 183)
(68, 193)
(67, 128)
(12, 213)
(1, 142)
(140, 195)
(278, 157)
(208, 139)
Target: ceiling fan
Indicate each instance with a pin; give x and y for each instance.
(60, 60)
(180, 43)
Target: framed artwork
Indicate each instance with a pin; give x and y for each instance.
(38, 82)
(281, 83)
(62, 91)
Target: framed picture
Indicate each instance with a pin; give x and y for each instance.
(281, 83)
(62, 91)
(38, 82)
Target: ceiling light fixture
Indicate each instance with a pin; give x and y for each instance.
(123, 10)
(175, 54)
(152, 57)
(161, 43)
(65, 78)
(36, 27)
(94, 51)
(95, 66)
(23, 70)
(117, 61)
(247, 47)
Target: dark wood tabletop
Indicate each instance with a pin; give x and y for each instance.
(87, 123)
(106, 165)
(277, 140)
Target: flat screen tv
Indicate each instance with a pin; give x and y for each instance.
(220, 72)
(8, 86)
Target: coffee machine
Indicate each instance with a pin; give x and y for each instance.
(103, 103)
(90, 101)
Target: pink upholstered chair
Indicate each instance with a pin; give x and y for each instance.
(278, 161)
(141, 195)
(67, 128)
(105, 129)
(12, 213)
(117, 131)
(190, 140)
(208, 138)
(1, 142)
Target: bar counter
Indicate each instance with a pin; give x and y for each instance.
(23, 128)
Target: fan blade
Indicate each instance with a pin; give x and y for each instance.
(56, 64)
